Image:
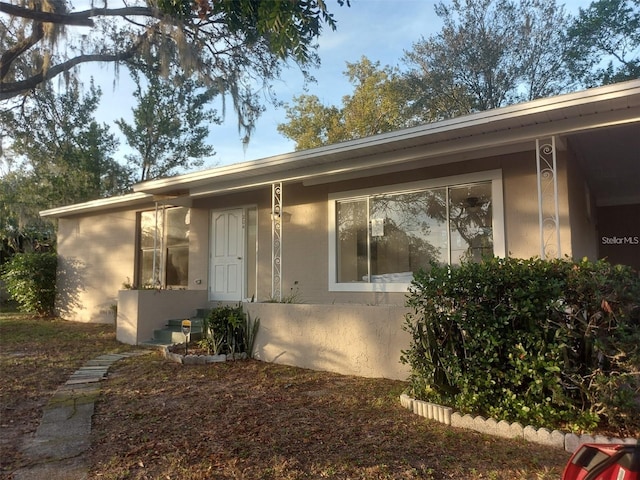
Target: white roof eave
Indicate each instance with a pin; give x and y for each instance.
(101, 204)
(569, 113)
(580, 105)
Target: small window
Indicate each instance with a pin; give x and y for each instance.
(380, 238)
(163, 259)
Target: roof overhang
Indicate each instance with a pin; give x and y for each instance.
(129, 200)
(494, 132)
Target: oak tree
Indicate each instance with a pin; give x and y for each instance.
(604, 42)
(54, 154)
(238, 45)
(380, 103)
(489, 53)
(170, 124)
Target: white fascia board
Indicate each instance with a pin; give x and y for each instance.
(120, 201)
(327, 161)
(452, 130)
(450, 151)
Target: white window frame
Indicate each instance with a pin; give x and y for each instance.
(497, 224)
(160, 245)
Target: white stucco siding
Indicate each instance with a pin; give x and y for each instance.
(96, 256)
(366, 341)
(198, 249)
(522, 224)
(582, 213)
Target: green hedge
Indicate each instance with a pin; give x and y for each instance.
(546, 343)
(30, 279)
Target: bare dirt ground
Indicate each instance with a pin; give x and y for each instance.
(241, 420)
(37, 355)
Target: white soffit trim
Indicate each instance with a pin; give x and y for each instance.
(383, 162)
(570, 113)
(98, 205)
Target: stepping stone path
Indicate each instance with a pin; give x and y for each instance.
(56, 450)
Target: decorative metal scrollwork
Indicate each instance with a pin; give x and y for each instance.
(548, 211)
(276, 241)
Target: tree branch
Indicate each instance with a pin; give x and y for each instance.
(123, 12)
(78, 19)
(7, 58)
(83, 18)
(10, 90)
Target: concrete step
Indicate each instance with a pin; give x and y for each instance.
(154, 344)
(167, 336)
(172, 333)
(177, 323)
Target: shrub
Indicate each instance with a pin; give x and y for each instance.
(548, 343)
(229, 330)
(30, 279)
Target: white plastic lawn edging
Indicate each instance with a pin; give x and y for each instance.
(554, 438)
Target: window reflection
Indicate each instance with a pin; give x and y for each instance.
(164, 248)
(352, 240)
(470, 221)
(385, 238)
(406, 235)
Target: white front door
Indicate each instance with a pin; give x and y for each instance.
(226, 275)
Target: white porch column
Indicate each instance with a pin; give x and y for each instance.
(276, 241)
(548, 198)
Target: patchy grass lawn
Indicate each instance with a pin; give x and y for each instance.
(36, 356)
(253, 420)
(240, 420)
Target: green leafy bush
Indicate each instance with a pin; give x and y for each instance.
(229, 330)
(547, 343)
(30, 279)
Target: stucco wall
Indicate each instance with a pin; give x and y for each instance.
(97, 252)
(349, 339)
(304, 244)
(305, 226)
(305, 233)
(96, 256)
(198, 249)
(521, 205)
(582, 213)
(140, 312)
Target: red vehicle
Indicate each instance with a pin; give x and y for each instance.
(593, 461)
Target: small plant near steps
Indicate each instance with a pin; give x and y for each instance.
(226, 333)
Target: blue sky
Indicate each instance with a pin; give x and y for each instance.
(378, 29)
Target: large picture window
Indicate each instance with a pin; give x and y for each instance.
(163, 259)
(381, 236)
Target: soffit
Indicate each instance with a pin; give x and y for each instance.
(494, 132)
(122, 201)
(610, 159)
(584, 118)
